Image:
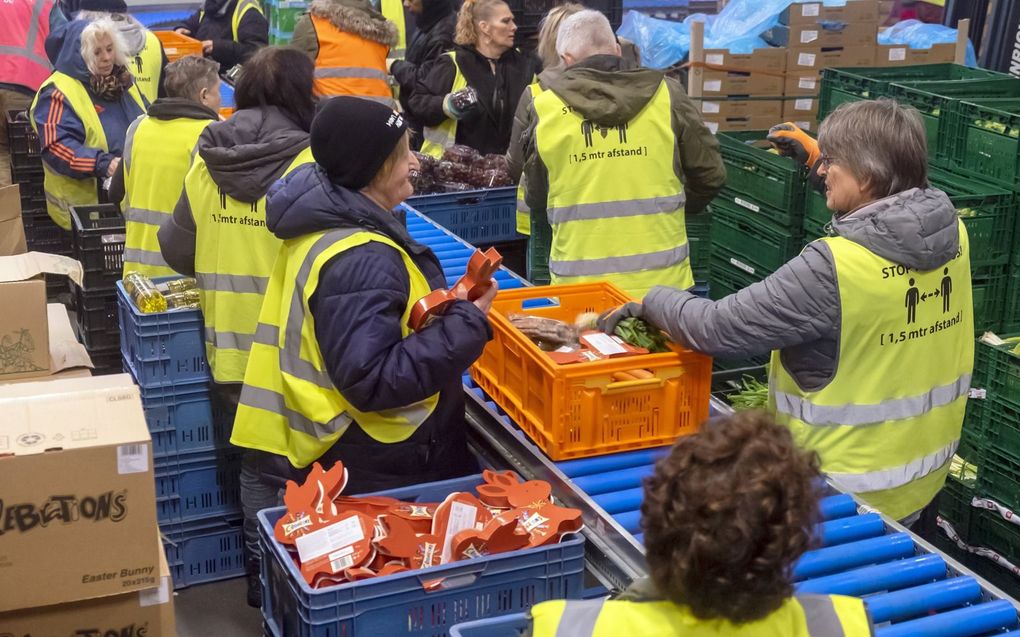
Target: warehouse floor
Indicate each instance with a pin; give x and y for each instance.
(216, 609)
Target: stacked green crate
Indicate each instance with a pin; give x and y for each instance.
(282, 16)
(699, 239)
(757, 219)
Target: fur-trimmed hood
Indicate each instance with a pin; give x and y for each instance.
(357, 17)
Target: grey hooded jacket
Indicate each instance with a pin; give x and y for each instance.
(797, 309)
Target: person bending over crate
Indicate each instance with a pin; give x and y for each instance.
(871, 329)
(725, 516)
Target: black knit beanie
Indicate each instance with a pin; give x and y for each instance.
(352, 137)
(110, 6)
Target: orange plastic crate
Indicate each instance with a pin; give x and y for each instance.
(226, 112)
(176, 45)
(578, 410)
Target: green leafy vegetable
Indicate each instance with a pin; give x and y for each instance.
(754, 395)
(637, 332)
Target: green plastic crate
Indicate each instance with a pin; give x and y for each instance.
(938, 101)
(1011, 309)
(728, 274)
(998, 477)
(765, 247)
(761, 182)
(987, 212)
(816, 214)
(990, 530)
(986, 141)
(998, 371)
(989, 289)
(972, 439)
(954, 504)
(852, 84)
(1000, 429)
(700, 241)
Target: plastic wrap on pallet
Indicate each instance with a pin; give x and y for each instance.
(919, 35)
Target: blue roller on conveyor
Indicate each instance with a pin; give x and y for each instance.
(162, 19)
(910, 588)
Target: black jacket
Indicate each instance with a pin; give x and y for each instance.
(252, 33)
(358, 306)
(488, 128)
(435, 26)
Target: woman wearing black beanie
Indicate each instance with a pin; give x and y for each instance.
(335, 373)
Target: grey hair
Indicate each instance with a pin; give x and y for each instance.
(584, 34)
(549, 28)
(90, 37)
(187, 77)
(881, 142)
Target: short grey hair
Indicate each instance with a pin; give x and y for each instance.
(881, 142)
(187, 77)
(584, 34)
(93, 33)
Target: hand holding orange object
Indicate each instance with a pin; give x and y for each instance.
(473, 286)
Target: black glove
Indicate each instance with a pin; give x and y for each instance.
(607, 320)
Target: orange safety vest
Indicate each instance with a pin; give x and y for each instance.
(348, 64)
(24, 26)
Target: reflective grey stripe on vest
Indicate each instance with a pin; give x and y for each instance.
(290, 362)
(350, 71)
(522, 206)
(148, 217)
(608, 209)
(895, 476)
(854, 415)
(271, 401)
(239, 283)
(129, 144)
(228, 340)
(579, 617)
(611, 265)
(145, 257)
(820, 616)
(28, 51)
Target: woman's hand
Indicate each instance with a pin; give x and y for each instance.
(183, 31)
(484, 302)
(112, 168)
(207, 46)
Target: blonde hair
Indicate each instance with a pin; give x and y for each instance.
(90, 38)
(471, 13)
(549, 28)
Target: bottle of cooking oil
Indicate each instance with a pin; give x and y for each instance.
(179, 285)
(187, 298)
(144, 293)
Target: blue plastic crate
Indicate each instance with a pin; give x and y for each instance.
(196, 486)
(205, 553)
(167, 347)
(480, 217)
(398, 605)
(505, 626)
(226, 95)
(182, 419)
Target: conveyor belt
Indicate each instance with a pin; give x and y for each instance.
(909, 586)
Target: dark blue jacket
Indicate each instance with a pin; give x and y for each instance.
(63, 141)
(358, 305)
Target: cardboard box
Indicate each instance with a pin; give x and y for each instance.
(902, 55)
(24, 323)
(759, 73)
(68, 357)
(741, 124)
(816, 59)
(720, 109)
(12, 230)
(77, 496)
(802, 84)
(814, 35)
(815, 12)
(800, 108)
(145, 613)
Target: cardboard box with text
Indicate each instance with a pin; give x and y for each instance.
(77, 496)
(759, 73)
(815, 13)
(825, 36)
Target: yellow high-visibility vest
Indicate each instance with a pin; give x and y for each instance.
(888, 423)
(800, 616)
(157, 156)
(62, 191)
(629, 230)
(147, 67)
(289, 405)
(439, 138)
(234, 256)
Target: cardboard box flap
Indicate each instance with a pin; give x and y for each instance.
(72, 414)
(10, 202)
(31, 264)
(65, 350)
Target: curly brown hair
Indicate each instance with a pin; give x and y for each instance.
(726, 514)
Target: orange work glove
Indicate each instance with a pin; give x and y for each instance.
(791, 141)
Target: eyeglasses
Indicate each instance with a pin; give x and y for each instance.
(826, 161)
